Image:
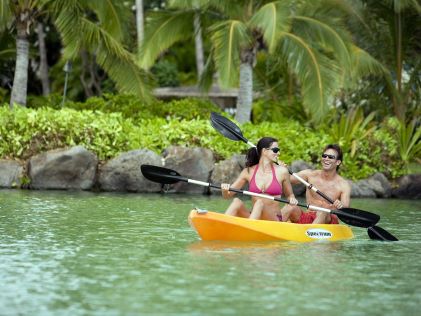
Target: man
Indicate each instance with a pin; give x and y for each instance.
(326, 180)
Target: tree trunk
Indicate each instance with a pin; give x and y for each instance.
(400, 108)
(199, 45)
(139, 24)
(20, 80)
(43, 68)
(245, 92)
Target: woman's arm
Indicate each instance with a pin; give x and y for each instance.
(238, 184)
(287, 187)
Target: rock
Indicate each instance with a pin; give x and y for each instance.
(362, 189)
(227, 171)
(63, 169)
(123, 174)
(297, 166)
(380, 185)
(408, 187)
(10, 173)
(193, 163)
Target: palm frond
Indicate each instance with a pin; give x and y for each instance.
(80, 33)
(228, 39)
(5, 14)
(272, 19)
(318, 75)
(363, 64)
(111, 15)
(316, 31)
(162, 30)
(125, 72)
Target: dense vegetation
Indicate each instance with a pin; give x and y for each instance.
(28, 131)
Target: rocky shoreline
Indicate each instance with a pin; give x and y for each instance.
(76, 168)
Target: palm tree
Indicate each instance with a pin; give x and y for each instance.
(308, 35)
(95, 26)
(43, 65)
(139, 23)
(397, 28)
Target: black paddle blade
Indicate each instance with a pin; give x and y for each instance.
(161, 175)
(378, 233)
(226, 127)
(355, 217)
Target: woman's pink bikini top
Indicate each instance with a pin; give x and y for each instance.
(275, 187)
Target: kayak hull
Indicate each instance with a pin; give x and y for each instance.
(217, 226)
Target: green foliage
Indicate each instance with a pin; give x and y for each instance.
(409, 141)
(188, 109)
(351, 128)
(53, 100)
(277, 111)
(25, 132)
(166, 74)
(377, 152)
(131, 106)
(3, 94)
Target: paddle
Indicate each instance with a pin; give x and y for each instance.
(230, 130)
(350, 216)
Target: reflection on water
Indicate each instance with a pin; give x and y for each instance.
(119, 254)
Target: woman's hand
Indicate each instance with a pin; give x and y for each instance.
(225, 190)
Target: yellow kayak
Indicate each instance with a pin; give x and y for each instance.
(217, 226)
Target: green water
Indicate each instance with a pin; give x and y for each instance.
(126, 254)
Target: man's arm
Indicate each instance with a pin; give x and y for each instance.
(345, 197)
(303, 174)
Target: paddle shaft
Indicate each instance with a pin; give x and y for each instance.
(350, 216)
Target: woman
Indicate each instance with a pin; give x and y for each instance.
(263, 176)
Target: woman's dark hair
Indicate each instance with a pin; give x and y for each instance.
(338, 149)
(254, 153)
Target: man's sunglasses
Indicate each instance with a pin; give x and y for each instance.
(274, 149)
(328, 156)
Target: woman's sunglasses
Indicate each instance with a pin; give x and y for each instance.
(274, 149)
(328, 156)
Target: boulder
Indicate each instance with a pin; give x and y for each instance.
(380, 185)
(63, 169)
(10, 173)
(194, 163)
(227, 171)
(408, 187)
(363, 189)
(123, 174)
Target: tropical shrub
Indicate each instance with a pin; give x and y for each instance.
(25, 132)
(408, 139)
(166, 74)
(278, 111)
(130, 106)
(350, 129)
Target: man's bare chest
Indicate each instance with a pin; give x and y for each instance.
(330, 188)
